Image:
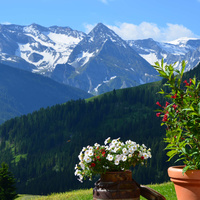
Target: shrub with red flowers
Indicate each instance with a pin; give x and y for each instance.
(181, 116)
(113, 156)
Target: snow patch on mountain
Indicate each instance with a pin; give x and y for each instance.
(151, 57)
(181, 41)
(82, 59)
(104, 82)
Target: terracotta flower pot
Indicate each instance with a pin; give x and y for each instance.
(187, 186)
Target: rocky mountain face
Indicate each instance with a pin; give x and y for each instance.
(36, 48)
(96, 62)
(103, 62)
(187, 49)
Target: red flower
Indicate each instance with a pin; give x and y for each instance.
(174, 97)
(186, 83)
(142, 157)
(103, 153)
(98, 157)
(157, 103)
(158, 114)
(93, 164)
(166, 104)
(175, 106)
(165, 118)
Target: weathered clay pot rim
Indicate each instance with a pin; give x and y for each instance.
(176, 172)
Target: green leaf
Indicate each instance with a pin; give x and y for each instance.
(161, 92)
(171, 153)
(185, 169)
(183, 67)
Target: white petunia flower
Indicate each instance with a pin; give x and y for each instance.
(106, 141)
(129, 155)
(80, 156)
(131, 150)
(90, 153)
(149, 154)
(125, 151)
(90, 148)
(82, 165)
(80, 178)
(144, 146)
(134, 147)
(124, 158)
(83, 149)
(87, 152)
(77, 172)
(118, 157)
(87, 159)
(145, 155)
(96, 145)
(117, 162)
(114, 150)
(114, 142)
(109, 157)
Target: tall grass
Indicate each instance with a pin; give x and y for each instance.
(166, 189)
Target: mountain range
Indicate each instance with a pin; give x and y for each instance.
(96, 62)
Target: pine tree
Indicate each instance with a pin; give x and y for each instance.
(7, 182)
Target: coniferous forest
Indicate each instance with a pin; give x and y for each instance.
(42, 148)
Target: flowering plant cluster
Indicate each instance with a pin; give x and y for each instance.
(181, 116)
(113, 156)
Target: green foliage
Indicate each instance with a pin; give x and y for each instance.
(7, 184)
(181, 116)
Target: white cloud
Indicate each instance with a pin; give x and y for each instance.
(146, 30)
(6, 23)
(175, 31)
(88, 27)
(131, 31)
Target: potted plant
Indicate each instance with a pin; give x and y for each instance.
(112, 162)
(181, 116)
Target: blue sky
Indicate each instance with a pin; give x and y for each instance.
(162, 20)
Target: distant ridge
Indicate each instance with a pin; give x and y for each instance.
(23, 92)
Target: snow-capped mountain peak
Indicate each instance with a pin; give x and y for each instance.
(93, 43)
(175, 51)
(102, 33)
(181, 41)
(45, 47)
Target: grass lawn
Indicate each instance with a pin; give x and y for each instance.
(166, 189)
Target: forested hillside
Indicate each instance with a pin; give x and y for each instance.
(42, 148)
